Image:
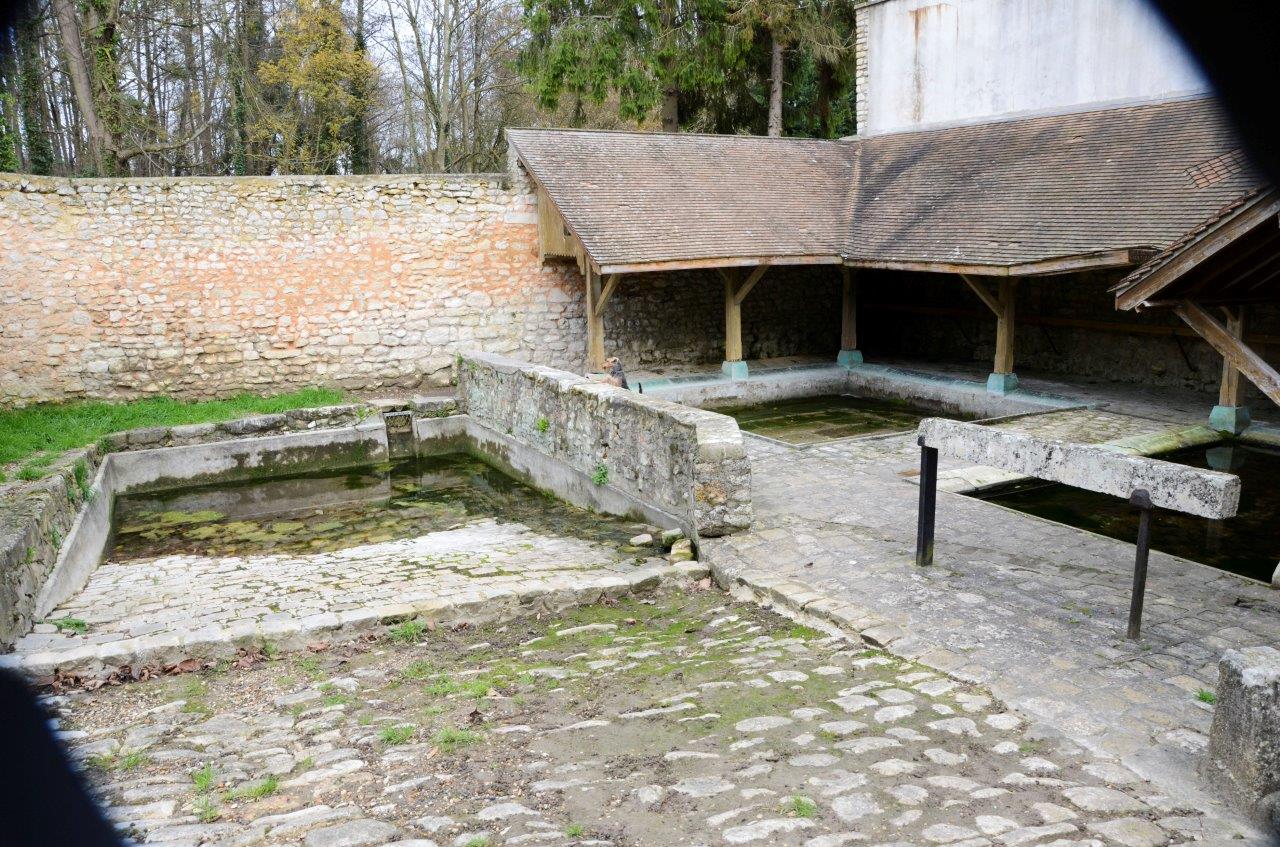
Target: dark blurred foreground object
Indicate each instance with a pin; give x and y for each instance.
(1237, 43)
(43, 802)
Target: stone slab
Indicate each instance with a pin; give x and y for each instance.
(1209, 494)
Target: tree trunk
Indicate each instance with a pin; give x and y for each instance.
(81, 87)
(826, 84)
(671, 110)
(775, 86)
(39, 151)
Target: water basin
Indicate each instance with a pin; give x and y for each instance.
(1247, 544)
(812, 420)
(333, 510)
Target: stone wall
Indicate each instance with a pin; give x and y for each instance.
(688, 463)
(214, 285)
(35, 518)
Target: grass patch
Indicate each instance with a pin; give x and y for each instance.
(54, 428)
(802, 807)
(127, 762)
(478, 841)
(75, 625)
(255, 791)
(1204, 695)
(420, 669)
(574, 830)
(396, 734)
(408, 632)
(450, 739)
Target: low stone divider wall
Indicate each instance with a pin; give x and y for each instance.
(1209, 494)
(1244, 742)
(687, 464)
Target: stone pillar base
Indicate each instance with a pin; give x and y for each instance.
(849, 358)
(1244, 741)
(1232, 419)
(734, 370)
(1002, 383)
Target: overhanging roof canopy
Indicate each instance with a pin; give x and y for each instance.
(1231, 258)
(646, 200)
(1103, 188)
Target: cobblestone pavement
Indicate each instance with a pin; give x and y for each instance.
(160, 609)
(681, 719)
(1034, 609)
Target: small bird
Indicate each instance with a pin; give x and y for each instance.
(615, 376)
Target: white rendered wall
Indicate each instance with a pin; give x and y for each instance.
(966, 60)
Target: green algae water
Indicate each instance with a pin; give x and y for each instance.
(328, 511)
(812, 420)
(1247, 544)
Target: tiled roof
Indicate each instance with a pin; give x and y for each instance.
(1002, 194)
(1044, 188)
(637, 197)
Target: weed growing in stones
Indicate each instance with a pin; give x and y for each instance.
(802, 807)
(600, 475)
(255, 791)
(420, 669)
(450, 739)
(1204, 695)
(75, 625)
(543, 424)
(478, 841)
(203, 778)
(396, 734)
(408, 632)
(206, 809)
(574, 830)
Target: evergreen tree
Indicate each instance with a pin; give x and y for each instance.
(647, 53)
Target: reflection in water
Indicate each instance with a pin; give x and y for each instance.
(1247, 544)
(810, 420)
(333, 510)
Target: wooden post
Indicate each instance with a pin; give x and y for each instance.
(732, 320)
(1229, 390)
(1002, 379)
(849, 353)
(1004, 328)
(595, 322)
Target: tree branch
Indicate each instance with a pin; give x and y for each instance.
(123, 157)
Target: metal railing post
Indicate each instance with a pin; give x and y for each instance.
(1142, 500)
(928, 503)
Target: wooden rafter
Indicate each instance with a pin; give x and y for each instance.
(1237, 354)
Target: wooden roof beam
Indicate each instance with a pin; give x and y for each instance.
(1240, 355)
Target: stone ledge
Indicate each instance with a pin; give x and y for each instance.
(483, 604)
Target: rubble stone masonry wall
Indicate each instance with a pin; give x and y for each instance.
(213, 285)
